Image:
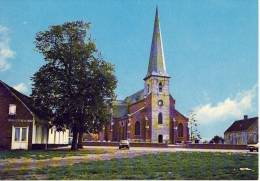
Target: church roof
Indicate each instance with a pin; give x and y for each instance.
(179, 114)
(137, 96)
(120, 109)
(156, 61)
(242, 125)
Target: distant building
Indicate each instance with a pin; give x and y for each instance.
(242, 132)
(149, 115)
(21, 126)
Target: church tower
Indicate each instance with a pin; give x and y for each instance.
(157, 88)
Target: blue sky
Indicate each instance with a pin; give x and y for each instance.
(210, 49)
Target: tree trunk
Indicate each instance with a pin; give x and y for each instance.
(74, 144)
(80, 145)
(47, 138)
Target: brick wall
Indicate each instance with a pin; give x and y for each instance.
(158, 145)
(7, 98)
(138, 116)
(163, 145)
(181, 120)
(217, 146)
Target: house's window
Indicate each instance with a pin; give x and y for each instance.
(137, 128)
(160, 87)
(17, 134)
(160, 118)
(12, 109)
(24, 133)
(180, 130)
(148, 88)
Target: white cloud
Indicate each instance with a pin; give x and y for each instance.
(5, 51)
(230, 108)
(21, 87)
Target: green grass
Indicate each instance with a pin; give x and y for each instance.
(42, 154)
(179, 165)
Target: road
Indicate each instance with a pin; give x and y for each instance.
(151, 149)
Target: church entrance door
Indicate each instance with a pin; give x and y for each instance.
(160, 138)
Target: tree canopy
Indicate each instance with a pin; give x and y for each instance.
(75, 86)
(217, 139)
(193, 125)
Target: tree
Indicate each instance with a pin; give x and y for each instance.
(76, 85)
(193, 125)
(217, 139)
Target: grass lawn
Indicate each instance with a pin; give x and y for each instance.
(179, 165)
(42, 154)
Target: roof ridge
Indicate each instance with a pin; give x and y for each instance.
(13, 91)
(243, 124)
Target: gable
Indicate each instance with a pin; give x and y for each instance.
(24, 100)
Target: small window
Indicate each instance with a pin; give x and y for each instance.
(160, 118)
(148, 88)
(160, 103)
(24, 134)
(17, 134)
(122, 124)
(12, 109)
(160, 87)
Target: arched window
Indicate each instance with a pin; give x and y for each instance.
(137, 128)
(180, 130)
(160, 87)
(160, 118)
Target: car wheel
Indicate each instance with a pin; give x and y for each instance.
(251, 150)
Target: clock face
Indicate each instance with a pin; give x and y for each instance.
(160, 103)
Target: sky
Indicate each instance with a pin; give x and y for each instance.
(210, 49)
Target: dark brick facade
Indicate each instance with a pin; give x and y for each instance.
(22, 113)
(140, 111)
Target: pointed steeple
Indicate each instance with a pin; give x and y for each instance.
(156, 61)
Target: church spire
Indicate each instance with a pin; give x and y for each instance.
(156, 61)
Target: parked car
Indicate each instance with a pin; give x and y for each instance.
(124, 144)
(252, 147)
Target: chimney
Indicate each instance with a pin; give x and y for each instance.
(245, 117)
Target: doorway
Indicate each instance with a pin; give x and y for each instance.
(160, 138)
(20, 138)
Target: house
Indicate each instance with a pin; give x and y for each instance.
(149, 115)
(21, 126)
(242, 132)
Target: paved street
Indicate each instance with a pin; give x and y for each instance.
(148, 149)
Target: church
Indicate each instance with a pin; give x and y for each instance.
(149, 115)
